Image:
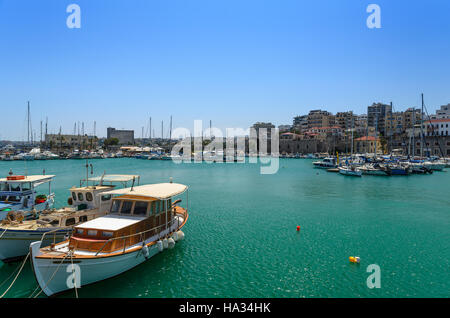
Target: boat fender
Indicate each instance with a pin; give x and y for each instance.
(145, 251)
(175, 236)
(165, 243)
(171, 243)
(160, 245)
(180, 235)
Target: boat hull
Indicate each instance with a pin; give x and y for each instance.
(15, 244)
(53, 275)
(374, 172)
(351, 173)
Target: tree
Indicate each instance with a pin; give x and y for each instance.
(111, 142)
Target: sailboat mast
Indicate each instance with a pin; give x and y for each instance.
(170, 131)
(351, 146)
(28, 123)
(421, 130)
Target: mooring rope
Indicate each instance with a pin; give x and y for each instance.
(15, 278)
(53, 275)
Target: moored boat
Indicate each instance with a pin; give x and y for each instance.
(86, 203)
(19, 192)
(326, 163)
(350, 171)
(374, 170)
(142, 221)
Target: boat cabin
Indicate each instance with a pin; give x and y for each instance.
(89, 196)
(133, 217)
(19, 193)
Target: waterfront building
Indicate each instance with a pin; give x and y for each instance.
(283, 128)
(300, 123)
(333, 131)
(61, 141)
(320, 118)
(437, 127)
(443, 113)
(376, 116)
(125, 137)
(345, 120)
(367, 144)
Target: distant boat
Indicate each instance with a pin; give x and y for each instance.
(350, 171)
(374, 170)
(326, 163)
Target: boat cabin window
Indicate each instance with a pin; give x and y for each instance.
(106, 197)
(14, 198)
(26, 186)
(115, 207)
(80, 231)
(92, 232)
(15, 188)
(4, 187)
(140, 208)
(107, 234)
(158, 207)
(80, 196)
(89, 196)
(83, 218)
(74, 196)
(126, 207)
(70, 221)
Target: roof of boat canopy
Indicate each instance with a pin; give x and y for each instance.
(159, 191)
(37, 179)
(115, 177)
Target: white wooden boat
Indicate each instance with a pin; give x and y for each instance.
(141, 222)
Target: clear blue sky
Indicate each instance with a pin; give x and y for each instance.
(234, 62)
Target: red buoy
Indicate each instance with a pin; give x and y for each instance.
(298, 228)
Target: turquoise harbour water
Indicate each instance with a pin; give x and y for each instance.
(241, 238)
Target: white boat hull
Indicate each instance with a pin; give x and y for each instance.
(15, 244)
(52, 275)
(90, 270)
(353, 173)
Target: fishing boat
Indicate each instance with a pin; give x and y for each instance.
(19, 192)
(350, 171)
(142, 221)
(374, 170)
(398, 169)
(326, 163)
(85, 203)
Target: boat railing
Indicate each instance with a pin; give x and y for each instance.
(125, 237)
(55, 232)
